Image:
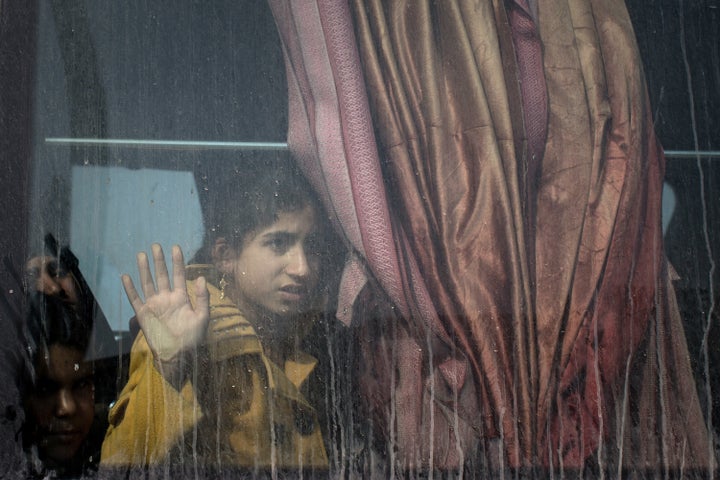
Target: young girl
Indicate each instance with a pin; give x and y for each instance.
(62, 434)
(218, 376)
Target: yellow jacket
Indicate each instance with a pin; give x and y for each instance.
(237, 409)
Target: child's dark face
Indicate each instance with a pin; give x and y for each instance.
(277, 271)
(62, 404)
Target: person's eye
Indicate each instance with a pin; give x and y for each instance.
(32, 275)
(52, 269)
(315, 246)
(32, 272)
(279, 245)
(84, 385)
(313, 250)
(45, 389)
(61, 272)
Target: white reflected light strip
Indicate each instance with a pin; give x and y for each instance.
(692, 154)
(136, 143)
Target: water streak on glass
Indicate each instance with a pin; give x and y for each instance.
(705, 230)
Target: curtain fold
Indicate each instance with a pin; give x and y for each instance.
(513, 318)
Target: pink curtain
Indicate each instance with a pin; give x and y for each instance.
(506, 318)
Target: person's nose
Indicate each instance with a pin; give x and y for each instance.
(65, 404)
(48, 285)
(298, 265)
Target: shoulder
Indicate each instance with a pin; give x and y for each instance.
(229, 332)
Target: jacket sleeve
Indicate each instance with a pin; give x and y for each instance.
(150, 415)
(236, 397)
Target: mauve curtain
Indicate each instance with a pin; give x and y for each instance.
(506, 318)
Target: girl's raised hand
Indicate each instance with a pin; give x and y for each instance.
(169, 321)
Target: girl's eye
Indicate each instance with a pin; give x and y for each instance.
(316, 245)
(45, 388)
(278, 245)
(313, 249)
(84, 383)
(84, 386)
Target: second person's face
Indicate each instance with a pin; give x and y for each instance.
(47, 276)
(62, 404)
(277, 271)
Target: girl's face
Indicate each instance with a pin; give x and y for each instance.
(277, 271)
(62, 405)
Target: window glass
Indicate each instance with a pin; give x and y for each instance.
(129, 101)
(158, 122)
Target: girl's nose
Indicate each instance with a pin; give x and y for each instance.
(298, 265)
(65, 403)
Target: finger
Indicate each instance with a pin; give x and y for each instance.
(202, 299)
(146, 280)
(178, 267)
(135, 300)
(161, 274)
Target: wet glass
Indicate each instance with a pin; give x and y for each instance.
(144, 115)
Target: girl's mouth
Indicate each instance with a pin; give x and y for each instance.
(293, 292)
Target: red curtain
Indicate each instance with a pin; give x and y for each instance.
(513, 310)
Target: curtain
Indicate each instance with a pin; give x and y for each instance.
(513, 309)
